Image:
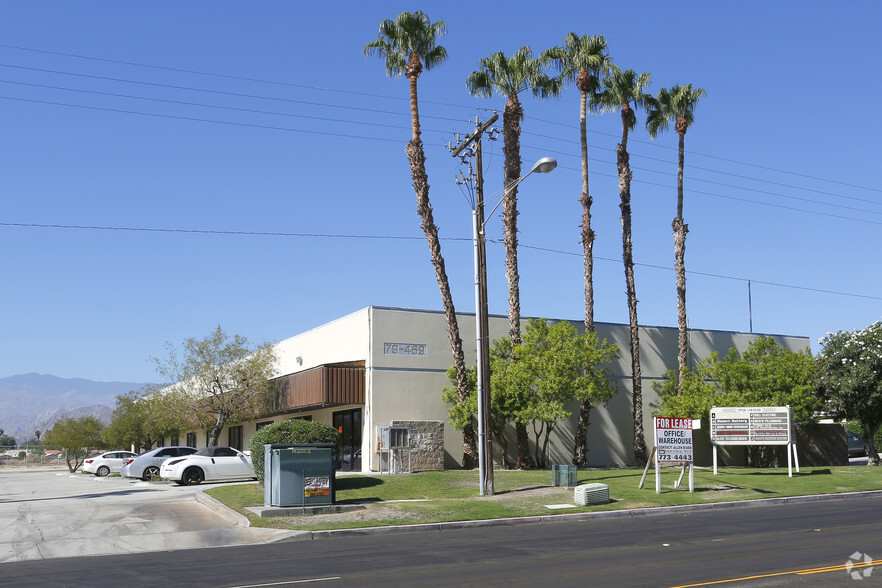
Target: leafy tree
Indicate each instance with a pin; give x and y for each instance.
(677, 104)
(559, 366)
(141, 418)
(77, 437)
(407, 44)
(621, 89)
(765, 375)
(849, 377)
(509, 76)
(7, 441)
(582, 60)
(555, 367)
(217, 380)
(294, 431)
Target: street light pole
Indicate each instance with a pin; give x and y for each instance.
(485, 443)
(482, 314)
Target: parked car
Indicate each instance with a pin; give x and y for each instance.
(856, 445)
(104, 464)
(209, 464)
(146, 466)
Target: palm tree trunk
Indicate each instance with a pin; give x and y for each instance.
(417, 158)
(624, 170)
(580, 446)
(680, 230)
(511, 131)
(511, 125)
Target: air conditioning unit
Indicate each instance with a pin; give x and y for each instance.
(588, 494)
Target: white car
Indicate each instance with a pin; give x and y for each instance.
(209, 464)
(104, 464)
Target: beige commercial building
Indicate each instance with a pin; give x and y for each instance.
(382, 366)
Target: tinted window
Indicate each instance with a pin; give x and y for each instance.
(167, 452)
(226, 452)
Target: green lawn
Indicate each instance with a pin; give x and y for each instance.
(453, 495)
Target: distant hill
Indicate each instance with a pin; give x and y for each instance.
(34, 402)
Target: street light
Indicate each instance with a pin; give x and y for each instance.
(485, 449)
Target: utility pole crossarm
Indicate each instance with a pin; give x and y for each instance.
(478, 132)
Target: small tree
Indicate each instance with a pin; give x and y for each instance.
(77, 437)
(849, 377)
(295, 431)
(6, 441)
(217, 380)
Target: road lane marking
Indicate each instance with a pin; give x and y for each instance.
(835, 568)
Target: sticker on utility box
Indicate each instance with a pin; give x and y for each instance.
(316, 486)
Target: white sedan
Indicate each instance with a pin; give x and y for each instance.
(209, 464)
(104, 464)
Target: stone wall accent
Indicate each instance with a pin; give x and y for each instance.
(427, 444)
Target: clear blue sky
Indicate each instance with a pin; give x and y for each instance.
(267, 118)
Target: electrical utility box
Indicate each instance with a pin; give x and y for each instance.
(393, 449)
(299, 475)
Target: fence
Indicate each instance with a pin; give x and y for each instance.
(30, 455)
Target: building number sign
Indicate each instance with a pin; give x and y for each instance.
(414, 349)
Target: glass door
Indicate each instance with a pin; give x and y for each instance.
(348, 424)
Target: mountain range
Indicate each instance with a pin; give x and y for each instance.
(34, 402)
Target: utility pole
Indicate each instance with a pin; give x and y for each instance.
(485, 443)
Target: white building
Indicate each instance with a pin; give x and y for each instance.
(379, 366)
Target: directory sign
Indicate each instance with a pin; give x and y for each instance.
(751, 425)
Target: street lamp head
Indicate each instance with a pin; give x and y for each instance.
(544, 165)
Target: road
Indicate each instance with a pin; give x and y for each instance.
(51, 514)
(761, 545)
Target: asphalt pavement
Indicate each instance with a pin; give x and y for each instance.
(54, 514)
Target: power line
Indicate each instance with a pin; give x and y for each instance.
(399, 98)
(406, 238)
(223, 76)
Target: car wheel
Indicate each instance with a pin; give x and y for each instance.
(102, 471)
(193, 477)
(150, 472)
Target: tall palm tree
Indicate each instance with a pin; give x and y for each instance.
(677, 104)
(621, 89)
(408, 44)
(582, 60)
(509, 76)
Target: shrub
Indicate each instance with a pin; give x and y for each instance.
(289, 432)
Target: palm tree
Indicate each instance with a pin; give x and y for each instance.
(621, 89)
(677, 104)
(509, 76)
(583, 60)
(408, 44)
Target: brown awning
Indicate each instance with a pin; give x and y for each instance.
(325, 385)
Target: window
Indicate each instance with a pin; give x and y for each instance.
(191, 439)
(263, 424)
(175, 440)
(307, 417)
(236, 437)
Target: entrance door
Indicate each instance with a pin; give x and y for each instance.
(348, 424)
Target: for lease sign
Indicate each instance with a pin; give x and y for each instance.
(673, 439)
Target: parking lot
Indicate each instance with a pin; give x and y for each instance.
(53, 513)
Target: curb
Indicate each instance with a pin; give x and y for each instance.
(242, 520)
(222, 509)
(587, 516)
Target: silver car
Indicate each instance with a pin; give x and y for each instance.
(146, 466)
(107, 463)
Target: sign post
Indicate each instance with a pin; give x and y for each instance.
(754, 425)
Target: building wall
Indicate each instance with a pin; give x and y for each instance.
(407, 386)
